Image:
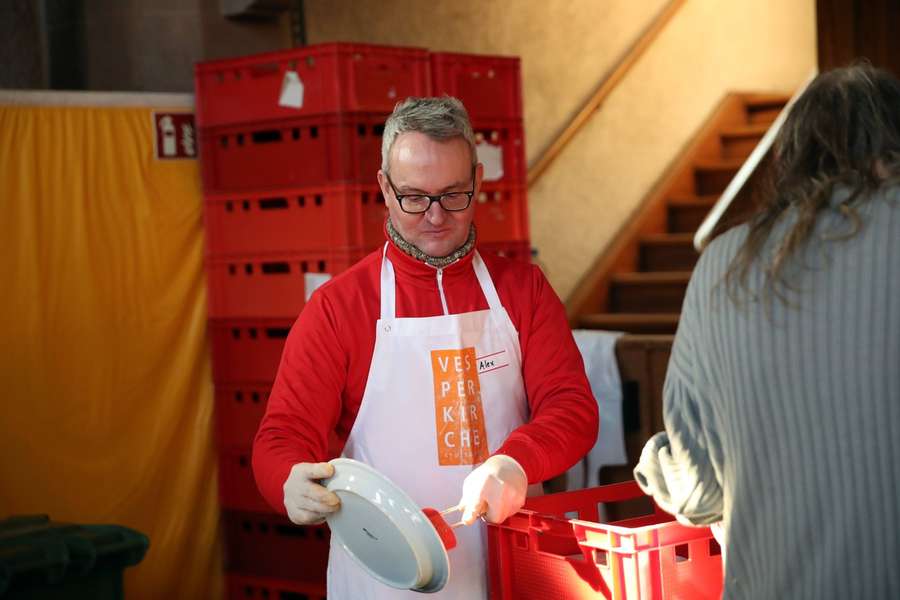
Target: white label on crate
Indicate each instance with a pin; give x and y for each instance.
(491, 157)
(312, 281)
(291, 90)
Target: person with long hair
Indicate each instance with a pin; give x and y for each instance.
(782, 396)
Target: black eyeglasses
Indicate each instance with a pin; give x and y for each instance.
(418, 203)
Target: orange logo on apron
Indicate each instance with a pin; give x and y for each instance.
(459, 417)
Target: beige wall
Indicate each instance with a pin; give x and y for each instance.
(565, 46)
(709, 48)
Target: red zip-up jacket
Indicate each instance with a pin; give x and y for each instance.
(322, 376)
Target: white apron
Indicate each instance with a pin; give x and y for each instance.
(443, 393)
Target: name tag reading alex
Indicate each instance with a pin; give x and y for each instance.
(492, 362)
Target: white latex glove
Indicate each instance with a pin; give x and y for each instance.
(496, 489)
(306, 501)
(719, 533)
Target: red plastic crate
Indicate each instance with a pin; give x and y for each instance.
(489, 86)
(245, 587)
(303, 151)
(237, 486)
(247, 349)
(293, 219)
(515, 250)
(269, 545)
(239, 409)
(541, 553)
(336, 78)
(501, 213)
(507, 138)
(270, 286)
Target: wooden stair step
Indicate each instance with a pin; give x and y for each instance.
(710, 165)
(666, 239)
(686, 213)
(655, 292)
(765, 99)
(667, 252)
(764, 108)
(713, 176)
(662, 323)
(689, 199)
(739, 141)
(742, 131)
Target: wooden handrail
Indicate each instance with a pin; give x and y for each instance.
(607, 85)
(709, 224)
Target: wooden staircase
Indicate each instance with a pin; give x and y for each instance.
(638, 285)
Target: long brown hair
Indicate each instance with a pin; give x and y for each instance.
(844, 130)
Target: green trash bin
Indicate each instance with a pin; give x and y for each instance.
(43, 560)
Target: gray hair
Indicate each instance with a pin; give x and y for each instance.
(441, 118)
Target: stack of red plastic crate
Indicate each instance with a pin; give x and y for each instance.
(490, 88)
(290, 147)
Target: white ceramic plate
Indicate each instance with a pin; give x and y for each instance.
(384, 531)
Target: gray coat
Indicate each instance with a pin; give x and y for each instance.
(783, 419)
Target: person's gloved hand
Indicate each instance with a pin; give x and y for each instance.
(306, 501)
(496, 489)
(718, 532)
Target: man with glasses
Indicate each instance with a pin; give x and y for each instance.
(453, 373)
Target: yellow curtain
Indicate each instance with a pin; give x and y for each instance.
(104, 367)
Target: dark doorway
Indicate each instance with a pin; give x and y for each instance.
(849, 30)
